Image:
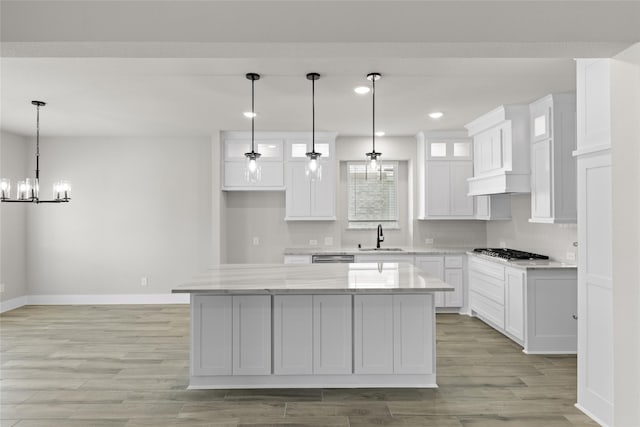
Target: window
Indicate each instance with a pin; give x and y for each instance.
(373, 197)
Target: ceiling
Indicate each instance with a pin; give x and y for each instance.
(177, 68)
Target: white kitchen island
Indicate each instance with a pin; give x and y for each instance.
(318, 325)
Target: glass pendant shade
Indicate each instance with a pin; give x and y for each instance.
(5, 188)
(252, 170)
(62, 190)
(313, 169)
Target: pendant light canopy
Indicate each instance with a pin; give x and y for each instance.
(313, 169)
(28, 191)
(373, 157)
(253, 171)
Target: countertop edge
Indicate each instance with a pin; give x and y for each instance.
(310, 291)
(526, 265)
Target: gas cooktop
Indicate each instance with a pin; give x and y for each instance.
(509, 254)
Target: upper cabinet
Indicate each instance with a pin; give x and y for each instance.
(271, 148)
(500, 151)
(553, 167)
(445, 162)
(306, 199)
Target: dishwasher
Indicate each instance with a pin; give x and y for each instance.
(331, 259)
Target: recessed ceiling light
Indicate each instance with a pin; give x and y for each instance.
(380, 133)
(249, 114)
(361, 90)
(436, 114)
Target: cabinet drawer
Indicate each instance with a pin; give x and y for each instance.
(453, 261)
(487, 286)
(488, 309)
(297, 259)
(487, 268)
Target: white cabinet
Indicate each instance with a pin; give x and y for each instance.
(553, 167)
(493, 207)
(373, 325)
(444, 165)
(332, 334)
(307, 199)
(271, 148)
(501, 161)
(211, 317)
(534, 307)
(297, 259)
(595, 228)
(514, 302)
(449, 268)
(252, 335)
(292, 335)
(395, 332)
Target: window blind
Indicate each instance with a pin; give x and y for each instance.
(373, 196)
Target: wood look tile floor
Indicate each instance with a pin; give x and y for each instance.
(128, 366)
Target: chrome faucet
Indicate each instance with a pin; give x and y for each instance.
(380, 237)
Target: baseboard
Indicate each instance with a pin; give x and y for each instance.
(590, 415)
(94, 300)
(13, 303)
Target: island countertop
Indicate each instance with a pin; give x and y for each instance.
(366, 278)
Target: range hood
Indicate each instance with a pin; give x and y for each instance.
(501, 162)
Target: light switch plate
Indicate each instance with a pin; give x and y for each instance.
(428, 241)
(503, 244)
(1, 288)
(144, 281)
(256, 241)
(313, 242)
(328, 241)
(571, 256)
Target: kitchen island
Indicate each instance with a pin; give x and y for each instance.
(318, 325)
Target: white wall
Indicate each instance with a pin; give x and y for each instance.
(14, 152)
(141, 207)
(554, 240)
(625, 137)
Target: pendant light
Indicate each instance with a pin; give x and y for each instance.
(253, 170)
(313, 169)
(28, 191)
(373, 161)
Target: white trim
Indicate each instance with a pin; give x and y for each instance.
(591, 150)
(13, 303)
(93, 300)
(590, 415)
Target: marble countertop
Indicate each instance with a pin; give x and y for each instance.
(366, 278)
(525, 264)
(357, 251)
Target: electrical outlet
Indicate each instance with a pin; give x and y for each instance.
(144, 281)
(313, 242)
(1, 288)
(571, 256)
(328, 241)
(428, 241)
(503, 244)
(256, 241)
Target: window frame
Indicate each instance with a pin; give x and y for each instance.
(366, 224)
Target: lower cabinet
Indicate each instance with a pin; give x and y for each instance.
(251, 335)
(534, 307)
(449, 268)
(312, 334)
(394, 334)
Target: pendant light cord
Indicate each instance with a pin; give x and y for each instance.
(37, 143)
(373, 93)
(253, 114)
(313, 115)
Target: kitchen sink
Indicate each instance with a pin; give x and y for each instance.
(382, 249)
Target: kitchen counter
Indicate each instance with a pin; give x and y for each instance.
(312, 326)
(313, 279)
(525, 264)
(357, 251)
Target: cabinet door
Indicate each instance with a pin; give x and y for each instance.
(323, 194)
(298, 197)
(438, 188)
(252, 335)
(433, 265)
(461, 204)
(292, 335)
(211, 324)
(413, 327)
(373, 334)
(541, 179)
(514, 303)
(332, 341)
(455, 278)
(234, 175)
